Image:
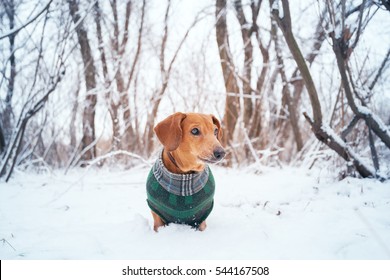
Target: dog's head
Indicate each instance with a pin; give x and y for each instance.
(193, 138)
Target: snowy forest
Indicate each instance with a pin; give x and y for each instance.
(84, 82)
(296, 84)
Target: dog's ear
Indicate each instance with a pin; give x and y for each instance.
(169, 131)
(218, 124)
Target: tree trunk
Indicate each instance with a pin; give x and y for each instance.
(248, 58)
(112, 107)
(288, 100)
(88, 138)
(319, 38)
(285, 25)
(227, 65)
(7, 115)
(128, 137)
(2, 139)
(72, 130)
(256, 125)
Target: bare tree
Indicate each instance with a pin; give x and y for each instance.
(128, 138)
(228, 69)
(166, 67)
(88, 139)
(117, 92)
(256, 122)
(254, 109)
(36, 94)
(246, 33)
(343, 47)
(287, 97)
(321, 131)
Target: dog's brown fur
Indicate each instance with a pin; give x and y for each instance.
(190, 152)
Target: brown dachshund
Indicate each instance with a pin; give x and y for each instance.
(180, 186)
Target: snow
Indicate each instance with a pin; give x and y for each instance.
(367, 112)
(351, 153)
(284, 213)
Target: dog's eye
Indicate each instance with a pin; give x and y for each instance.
(195, 131)
(216, 132)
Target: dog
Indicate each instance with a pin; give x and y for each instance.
(180, 186)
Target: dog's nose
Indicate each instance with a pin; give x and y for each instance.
(219, 153)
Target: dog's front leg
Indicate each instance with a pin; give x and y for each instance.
(157, 222)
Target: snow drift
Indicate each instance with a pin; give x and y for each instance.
(280, 214)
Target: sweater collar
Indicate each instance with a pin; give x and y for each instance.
(179, 184)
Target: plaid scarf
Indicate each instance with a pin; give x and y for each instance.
(179, 184)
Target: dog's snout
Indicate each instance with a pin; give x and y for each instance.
(219, 153)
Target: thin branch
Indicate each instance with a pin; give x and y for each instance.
(350, 126)
(359, 30)
(116, 153)
(380, 70)
(16, 30)
(126, 31)
(164, 41)
(139, 45)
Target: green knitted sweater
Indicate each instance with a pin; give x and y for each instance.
(191, 209)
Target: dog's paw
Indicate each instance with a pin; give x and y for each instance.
(202, 226)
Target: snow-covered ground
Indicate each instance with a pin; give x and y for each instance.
(279, 214)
